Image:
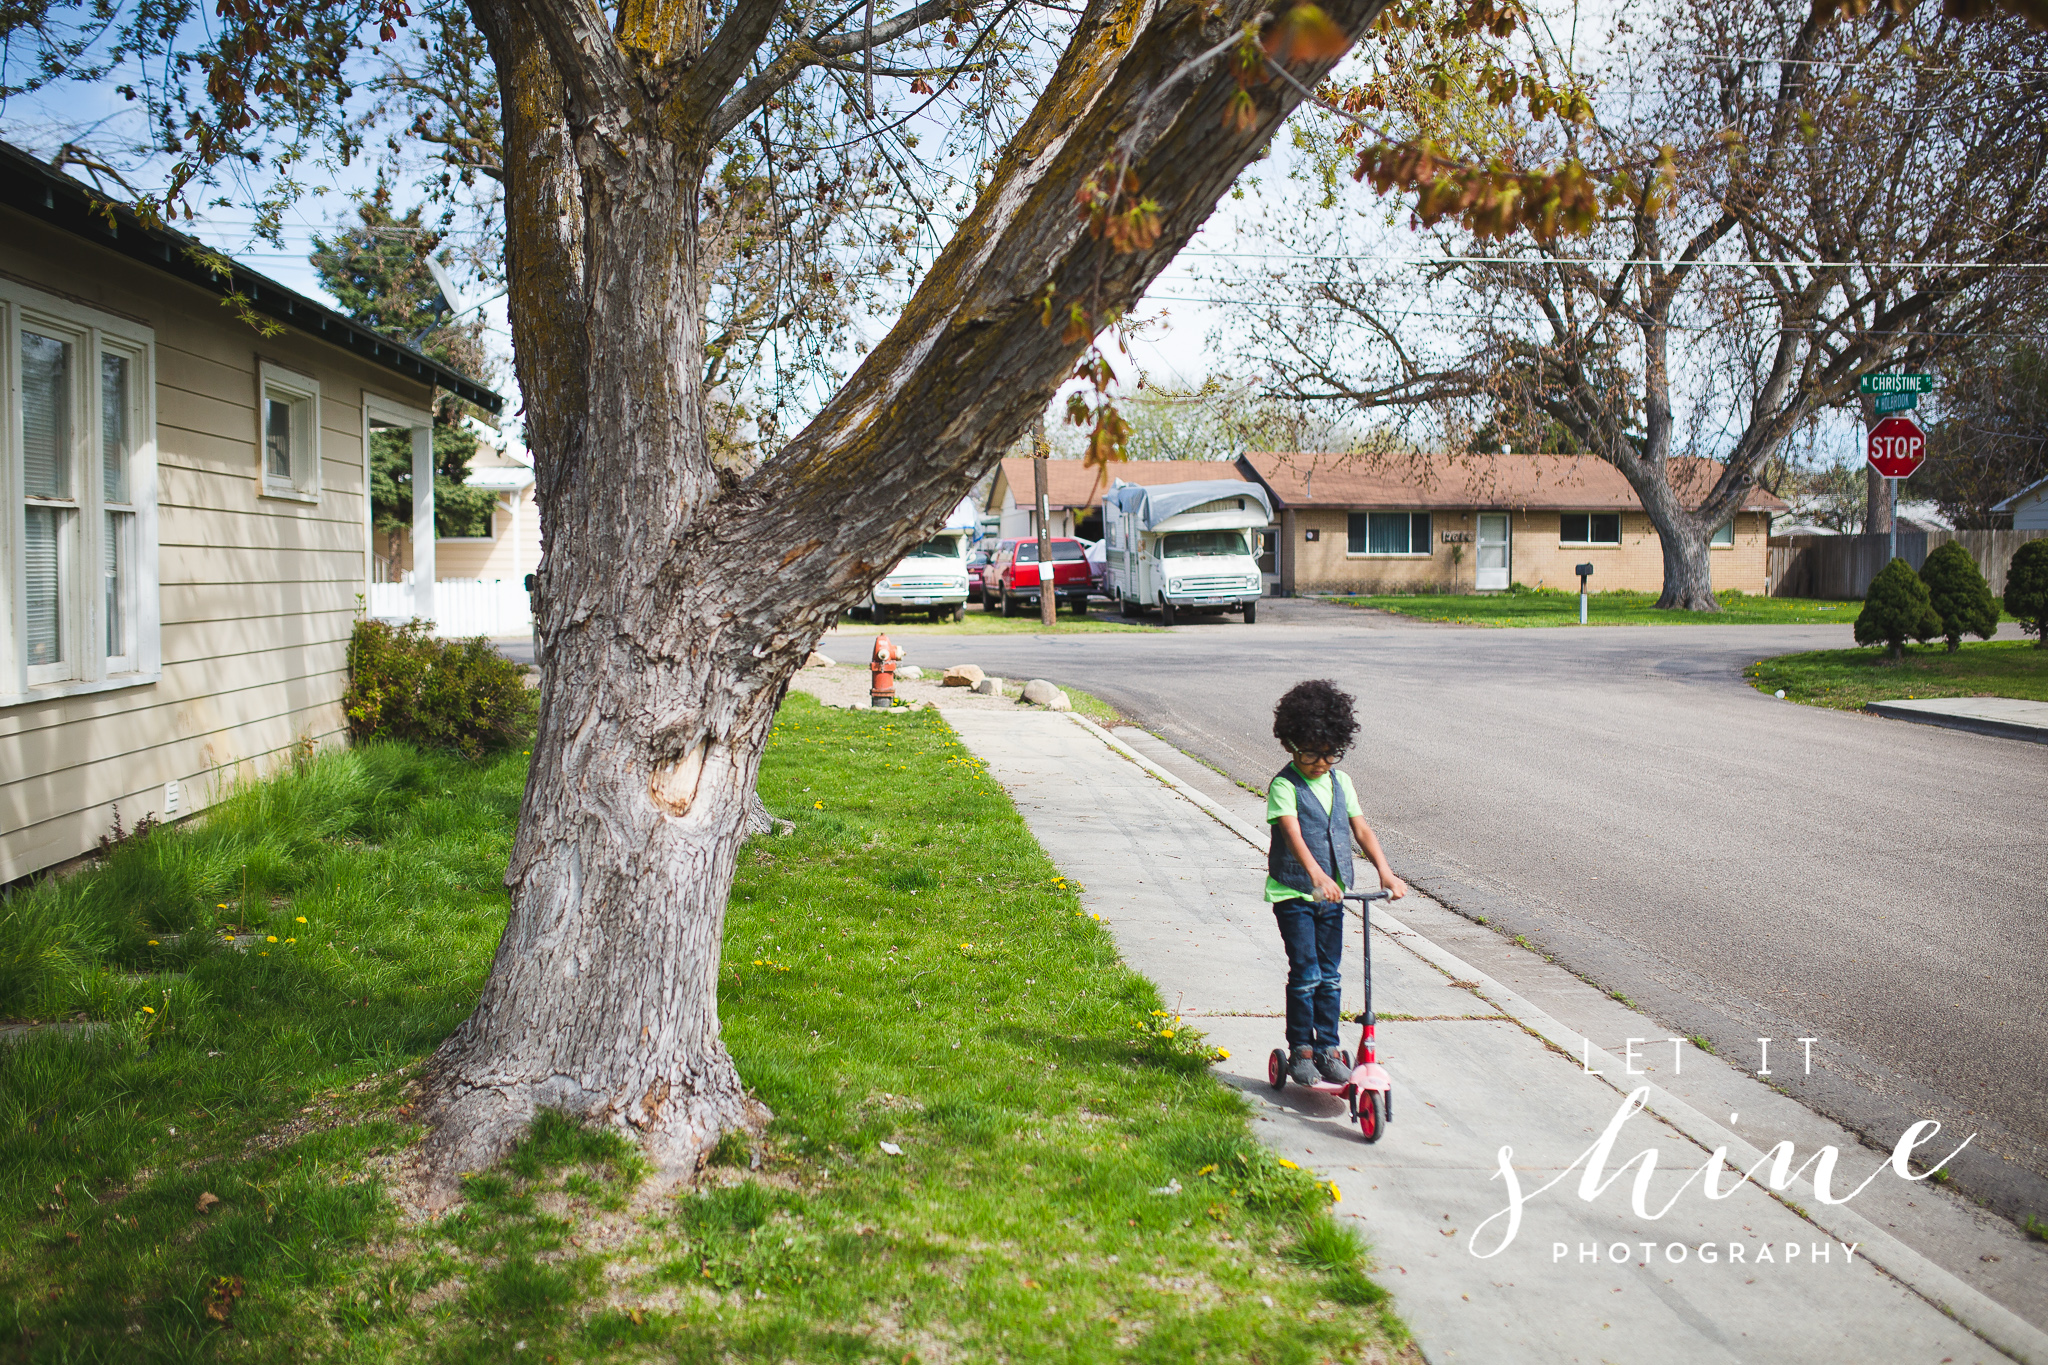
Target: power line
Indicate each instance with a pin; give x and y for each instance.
(1618, 261)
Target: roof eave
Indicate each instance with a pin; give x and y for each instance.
(33, 189)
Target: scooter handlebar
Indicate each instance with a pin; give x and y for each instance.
(1364, 897)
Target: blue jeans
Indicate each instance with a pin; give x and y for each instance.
(1313, 932)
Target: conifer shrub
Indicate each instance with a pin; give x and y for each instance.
(461, 695)
(2026, 590)
(1896, 609)
(1959, 595)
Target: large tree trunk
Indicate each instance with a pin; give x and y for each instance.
(1684, 535)
(678, 589)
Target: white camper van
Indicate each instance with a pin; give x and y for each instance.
(1184, 547)
(931, 581)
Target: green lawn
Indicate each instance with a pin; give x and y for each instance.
(1847, 678)
(906, 967)
(1552, 607)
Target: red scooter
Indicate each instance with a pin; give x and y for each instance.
(1370, 1092)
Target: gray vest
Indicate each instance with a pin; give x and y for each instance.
(1327, 834)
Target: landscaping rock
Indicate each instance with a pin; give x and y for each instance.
(1059, 702)
(1038, 692)
(990, 687)
(818, 660)
(909, 672)
(962, 675)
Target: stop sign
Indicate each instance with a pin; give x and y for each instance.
(1897, 446)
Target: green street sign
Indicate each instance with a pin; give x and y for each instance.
(1897, 402)
(1897, 383)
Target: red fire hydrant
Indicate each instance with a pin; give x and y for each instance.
(882, 672)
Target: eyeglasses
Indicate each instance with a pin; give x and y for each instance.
(1331, 757)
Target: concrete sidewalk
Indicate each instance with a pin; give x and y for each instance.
(1479, 1070)
(2012, 717)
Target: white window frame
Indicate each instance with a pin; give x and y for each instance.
(1724, 535)
(91, 333)
(304, 483)
(1620, 530)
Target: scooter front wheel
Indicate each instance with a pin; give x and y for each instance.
(1276, 1069)
(1370, 1124)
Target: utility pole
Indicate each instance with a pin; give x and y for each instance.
(1041, 449)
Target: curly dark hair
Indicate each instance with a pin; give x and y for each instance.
(1315, 717)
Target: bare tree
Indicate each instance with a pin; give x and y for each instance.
(1777, 203)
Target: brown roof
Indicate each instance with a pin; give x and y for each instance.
(1071, 483)
(1516, 482)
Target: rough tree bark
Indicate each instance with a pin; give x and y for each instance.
(680, 588)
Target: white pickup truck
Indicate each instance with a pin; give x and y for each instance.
(1184, 547)
(931, 580)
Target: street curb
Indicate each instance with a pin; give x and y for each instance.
(1980, 725)
(1999, 1326)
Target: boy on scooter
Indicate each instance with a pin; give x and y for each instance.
(1313, 811)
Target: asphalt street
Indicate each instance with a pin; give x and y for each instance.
(1734, 866)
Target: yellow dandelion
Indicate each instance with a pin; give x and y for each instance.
(817, 805)
(147, 1010)
(152, 943)
(1167, 1034)
(263, 954)
(301, 920)
(1336, 1195)
(1222, 1054)
(272, 938)
(291, 940)
(1288, 1164)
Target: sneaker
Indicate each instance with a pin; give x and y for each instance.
(1302, 1070)
(1332, 1067)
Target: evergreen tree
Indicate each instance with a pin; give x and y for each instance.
(376, 269)
(1895, 610)
(1959, 595)
(2026, 590)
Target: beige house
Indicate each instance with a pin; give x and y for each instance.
(184, 519)
(1480, 523)
(1073, 491)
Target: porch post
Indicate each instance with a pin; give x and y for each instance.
(423, 522)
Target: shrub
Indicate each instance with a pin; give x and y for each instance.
(440, 694)
(1895, 610)
(1959, 595)
(2026, 589)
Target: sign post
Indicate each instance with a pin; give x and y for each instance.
(1896, 447)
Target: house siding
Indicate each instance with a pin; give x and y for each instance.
(257, 594)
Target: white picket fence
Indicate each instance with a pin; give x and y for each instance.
(462, 606)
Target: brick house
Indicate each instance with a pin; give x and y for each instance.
(1478, 523)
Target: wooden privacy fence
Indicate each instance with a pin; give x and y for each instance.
(1839, 568)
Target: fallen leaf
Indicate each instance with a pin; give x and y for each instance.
(207, 1200)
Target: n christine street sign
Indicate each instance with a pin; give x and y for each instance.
(1897, 446)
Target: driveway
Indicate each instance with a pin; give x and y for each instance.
(1737, 867)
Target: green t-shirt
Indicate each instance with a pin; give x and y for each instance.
(1281, 800)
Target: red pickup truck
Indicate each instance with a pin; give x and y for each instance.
(1012, 580)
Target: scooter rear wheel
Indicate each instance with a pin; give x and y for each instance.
(1370, 1124)
(1276, 1069)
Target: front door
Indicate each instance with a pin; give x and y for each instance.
(1493, 563)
